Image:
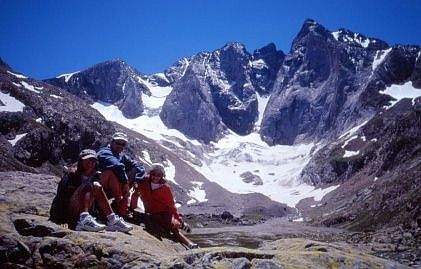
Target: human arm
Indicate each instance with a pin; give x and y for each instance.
(108, 161)
(169, 200)
(130, 164)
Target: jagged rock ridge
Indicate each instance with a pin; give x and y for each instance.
(218, 91)
(329, 82)
(113, 82)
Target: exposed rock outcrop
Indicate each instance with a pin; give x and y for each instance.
(112, 82)
(330, 81)
(216, 91)
(28, 239)
(379, 170)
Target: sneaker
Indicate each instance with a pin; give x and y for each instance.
(88, 223)
(118, 224)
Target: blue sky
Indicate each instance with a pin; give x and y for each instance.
(50, 37)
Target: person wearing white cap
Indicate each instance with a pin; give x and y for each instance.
(159, 206)
(119, 171)
(76, 194)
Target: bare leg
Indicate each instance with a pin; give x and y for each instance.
(182, 238)
(87, 202)
(101, 200)
(134, 200)
(115, 189)
(81, 201)
(135, 195)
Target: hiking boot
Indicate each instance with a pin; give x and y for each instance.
(116, 223)
(88, 223)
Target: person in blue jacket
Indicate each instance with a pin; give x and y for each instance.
(119, 172)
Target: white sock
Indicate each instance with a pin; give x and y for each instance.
(111, 217)
(83, 215)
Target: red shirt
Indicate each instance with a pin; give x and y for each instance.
(158, 200)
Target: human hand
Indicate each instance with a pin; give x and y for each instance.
(97, 176)
(125, 191)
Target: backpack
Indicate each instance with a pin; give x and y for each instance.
(60, 205)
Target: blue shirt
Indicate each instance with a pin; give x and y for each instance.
(120, 164)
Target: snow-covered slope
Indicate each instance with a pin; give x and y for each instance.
(240, 164)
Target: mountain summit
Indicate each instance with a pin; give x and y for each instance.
(112, 81)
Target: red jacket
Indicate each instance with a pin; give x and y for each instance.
(158, 200)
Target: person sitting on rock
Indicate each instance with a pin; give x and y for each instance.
(119, 171)
(77, 192)
(162, 216)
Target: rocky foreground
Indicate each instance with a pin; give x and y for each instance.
(29, 240)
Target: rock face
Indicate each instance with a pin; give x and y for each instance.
(113, 82)
(330, 81)
(50, 129)
(266, 63)
(380, 176)
(192, 111)
(217, 90)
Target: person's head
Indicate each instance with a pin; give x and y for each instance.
(118, 142)
(87, 161)
(157, 173)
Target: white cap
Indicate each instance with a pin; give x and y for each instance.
(158, 166)
(87, 154)
(120, 136)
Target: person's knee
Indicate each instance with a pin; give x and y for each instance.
(97, 187)
(132, 174)
(87, 188)
(108, 175)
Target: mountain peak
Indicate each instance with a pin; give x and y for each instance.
(357, 39)
(310, 26)
(4, 65)
(310, 21)
(237, 46)
(310, 30)
(113, 62)
(268, 49)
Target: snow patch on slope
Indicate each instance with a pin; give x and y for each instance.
(17, 138)
(225, 161)
(400, 92)
(262, 102)
(10, 103)
(379, 57)
(197, 193)
(67, 76)
(16, 75)
(356, 38)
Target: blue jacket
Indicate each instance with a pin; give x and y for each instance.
(120, 164)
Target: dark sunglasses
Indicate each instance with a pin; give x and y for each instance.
(156, 174)
(120, 143)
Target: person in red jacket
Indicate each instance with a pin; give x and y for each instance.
(159, 205)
